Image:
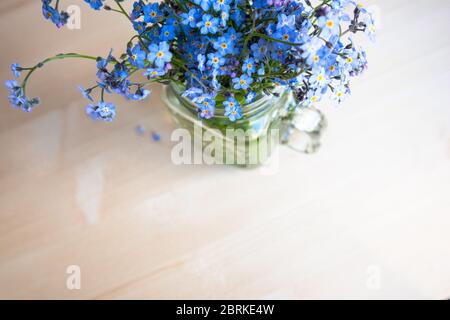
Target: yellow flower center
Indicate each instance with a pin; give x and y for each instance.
(330, 24)
(160, 54)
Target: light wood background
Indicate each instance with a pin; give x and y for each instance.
(366, 217)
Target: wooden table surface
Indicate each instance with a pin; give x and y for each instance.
(366, 217)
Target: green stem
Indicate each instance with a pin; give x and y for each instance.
(57, 57)
(345, 32)
(247, 39)
(114, 10)
(123, 11)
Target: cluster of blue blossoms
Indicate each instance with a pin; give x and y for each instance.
(225, 52)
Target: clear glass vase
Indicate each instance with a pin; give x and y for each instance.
(267, 122)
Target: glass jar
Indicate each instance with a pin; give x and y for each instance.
(250, 141)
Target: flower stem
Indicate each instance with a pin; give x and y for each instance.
(57, 57)
(123, 11)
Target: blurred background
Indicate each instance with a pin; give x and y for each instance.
(92, 210)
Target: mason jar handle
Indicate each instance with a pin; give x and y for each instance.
(303, 132)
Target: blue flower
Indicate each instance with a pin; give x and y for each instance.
(208, 24)
(224, 45)
(152, 13)
(260, 49)
(201, 59)
(340, 93)
(190, 18)
(139, 95)
(330, 25)
(233, 35)
(250, 97)
(153, 73)
(313, 96)
(286, 34)
(249, 66)
(192, 93)
(103, 111)
(86, 93)
(286, 21)
(137, 56)
(50, 13)
(139, 26)
(17, 97)
(243, 82)
(215, 60)
(16, 70)
(95, 4)
(370, 29)
(238, 16)
(262, 70)
(207, 109)
(221, 5)
(224, 17)
(319, 79)
(159, 54)
(232, 109)
(205, 4)
(138, 9)
(310, 49)
(167, 33)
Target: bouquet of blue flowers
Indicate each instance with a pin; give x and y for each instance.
(222, 52)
